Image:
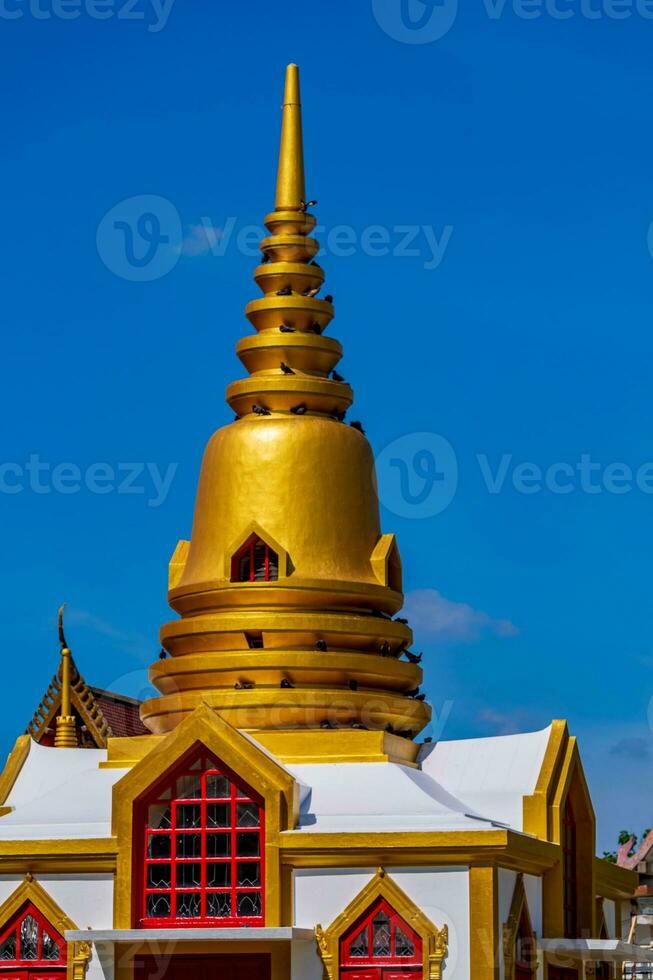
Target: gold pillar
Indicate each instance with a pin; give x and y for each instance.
(66, 733)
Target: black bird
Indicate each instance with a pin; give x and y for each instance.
(336, 376)
(243, 686)
(389, 729)
(315, 264)
(163, 655)
(328, 298)
(340, 416)
(428, 741)
(284, 329)
(284, 291)
(399, 620)
(412, 694)
(404, 733)
(299, 410)
(385, 648)
(358, 426)
(286, 369)
(305, 205)
(286, 685)
(311, 293)
(265, 259)
(357, 725)
(353, 685)
(315, 328)
(321, 645)
(420, 697)
(414, 658)
(326, 724)
(260, 411)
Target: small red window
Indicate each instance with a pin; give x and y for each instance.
(202, 850)
(29, 942)
(255, 562)
(381, 940)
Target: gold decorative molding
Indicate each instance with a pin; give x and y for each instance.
(435, 942)
(82, 700)
(14, 764)
(518, 906)
(79, 959)
(31, 891)
(204, 728)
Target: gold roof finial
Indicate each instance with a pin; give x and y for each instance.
(66, 733)
(291, 190)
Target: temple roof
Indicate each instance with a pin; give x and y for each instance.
(99, 714)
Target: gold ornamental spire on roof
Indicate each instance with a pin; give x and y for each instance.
(66, 733)
(287, 590)
(291, 190)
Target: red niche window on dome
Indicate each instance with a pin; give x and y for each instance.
(30, 943)
(202, 850)
(255, 562)
(381, 944)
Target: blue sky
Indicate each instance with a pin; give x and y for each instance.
(520, 146)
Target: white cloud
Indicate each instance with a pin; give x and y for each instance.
(200, 239)
(434, 617)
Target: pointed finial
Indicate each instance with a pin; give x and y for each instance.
(66, 731)
(291, 190)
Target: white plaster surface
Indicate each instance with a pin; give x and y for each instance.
(441, 893)
(489, 775)
(610, 912)
(60, 793)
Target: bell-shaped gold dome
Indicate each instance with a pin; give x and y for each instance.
(287, 589)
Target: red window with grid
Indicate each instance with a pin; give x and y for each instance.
(525, 952)
(255, 562)
(381, 946)
(30, 946)
(569, 855)
(202, 849)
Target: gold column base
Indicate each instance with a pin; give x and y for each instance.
(66, 734)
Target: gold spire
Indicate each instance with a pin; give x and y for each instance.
(290, 181)
(66, 733)
(306, 641)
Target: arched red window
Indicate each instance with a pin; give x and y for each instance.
(30, 943)
(381, 945)
(202, 849)
(525, 952)
(570, 858)
(255, 562)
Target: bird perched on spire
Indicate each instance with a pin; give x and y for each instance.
(286, 684)
(328, 299)
(336, 376)
(163, 654)
(413, 658)
(284, 291)
(299, 410)
(311, 293)
(358, 426)
(286, 329)
(260, 411)
(305, 205)
(321, 645)
(286, 370)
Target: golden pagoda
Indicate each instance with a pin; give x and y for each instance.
(271, 815)
(288, 579)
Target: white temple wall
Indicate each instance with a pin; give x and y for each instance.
(441, 893)
(506, 887)
(610, 913)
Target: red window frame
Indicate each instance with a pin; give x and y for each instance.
(412, 964)
(243, 563)
(569, 865)
(214, 842)
(39, 963)
(525, 954)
